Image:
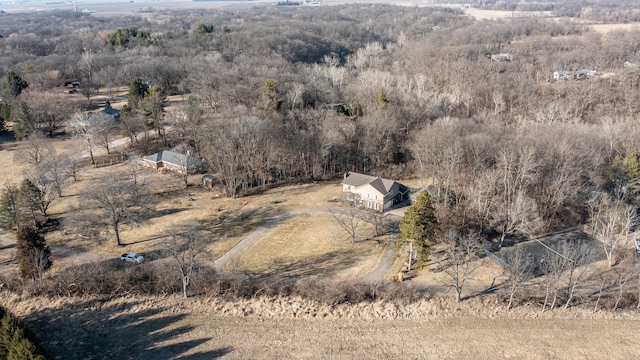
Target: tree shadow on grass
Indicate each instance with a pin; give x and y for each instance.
(327, 265)
(240, 223)
(92, 330)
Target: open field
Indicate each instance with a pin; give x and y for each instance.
(171, 328)
(311, 246)
(605, 28)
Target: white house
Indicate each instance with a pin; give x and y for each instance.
(373, 192)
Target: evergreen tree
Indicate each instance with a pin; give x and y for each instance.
(16, 341)
(153, 104)
(137, 91)
(10, 207)
(623, 173)
(33, 254)
(35, 199)
(632, 166)
(419, 225)
(12, 86)
(24, 120)
(203, 29)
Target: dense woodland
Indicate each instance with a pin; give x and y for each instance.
(284, 94)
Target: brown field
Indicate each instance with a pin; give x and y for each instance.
(171, 328)
(605, 28)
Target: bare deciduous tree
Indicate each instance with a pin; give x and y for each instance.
(41, 110)
(185, 245)
(35, 149)
(55, 170)
(101, 127)
(348, 218)
(113, 201)
(518, 216)
(519, 270)
(82, 130)
(380, 225)
(565, 266)
(461, 259)
(612, 223)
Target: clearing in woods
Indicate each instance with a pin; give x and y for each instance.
(309, 245)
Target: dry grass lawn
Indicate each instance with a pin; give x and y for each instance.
(311, 246)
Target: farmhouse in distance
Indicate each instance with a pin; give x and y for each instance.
(373, 192)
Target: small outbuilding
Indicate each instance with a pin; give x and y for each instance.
(115, 114)
(208, 181)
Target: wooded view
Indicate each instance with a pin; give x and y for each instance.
(517, 136)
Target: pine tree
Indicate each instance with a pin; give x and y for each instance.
(10, 207)
(419, 225)
(12, 85)
(33, 253)
(16, 341)
(30, 197)
(137, 91)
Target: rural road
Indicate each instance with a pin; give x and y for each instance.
(377, 275)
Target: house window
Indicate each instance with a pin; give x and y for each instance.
(376, 197)
(376, 206)
(391, 192)
(369, 205)
(368, 195)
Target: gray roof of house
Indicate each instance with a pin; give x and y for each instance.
(175, 158)
(378, 183)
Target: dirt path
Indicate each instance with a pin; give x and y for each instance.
(222, 261)
(386, 261)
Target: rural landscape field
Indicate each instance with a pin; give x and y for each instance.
(319, 179)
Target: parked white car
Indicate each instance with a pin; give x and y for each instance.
(132, 257)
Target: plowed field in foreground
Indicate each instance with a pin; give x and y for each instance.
(170, 328)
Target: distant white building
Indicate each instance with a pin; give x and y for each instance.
(562, 75)
(502, 57)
